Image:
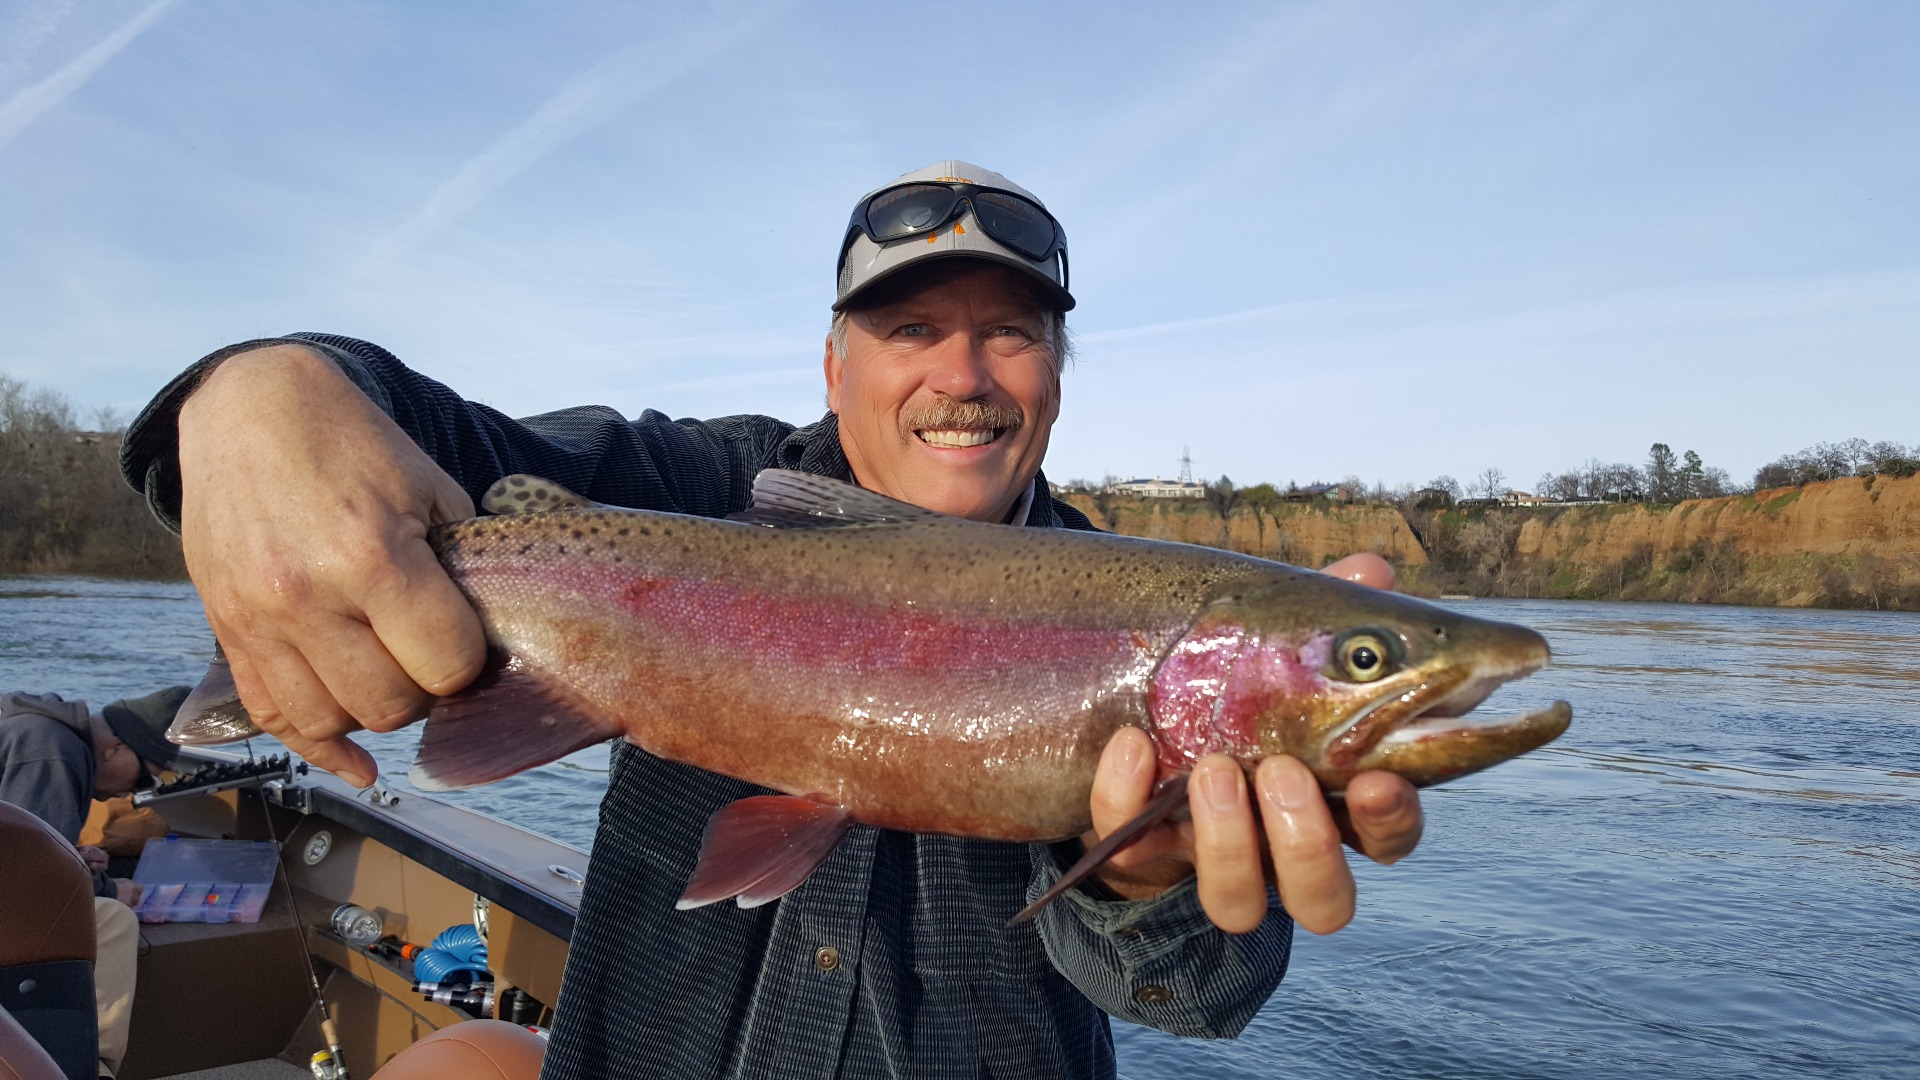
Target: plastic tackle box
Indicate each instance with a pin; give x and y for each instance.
(205, 881)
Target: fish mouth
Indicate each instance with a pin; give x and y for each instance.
(959, 438)
(1423, 731)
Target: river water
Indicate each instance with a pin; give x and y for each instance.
(1716, 872)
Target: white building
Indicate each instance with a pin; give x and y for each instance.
(1157, 488)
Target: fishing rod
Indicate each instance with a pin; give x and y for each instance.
(331, 1063)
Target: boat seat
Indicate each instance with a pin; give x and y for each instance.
(46, 942)
(21, 1058)
(473, 1050)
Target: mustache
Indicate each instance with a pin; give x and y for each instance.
(946, 414)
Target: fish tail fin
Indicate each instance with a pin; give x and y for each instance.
(758, 849)
(507, 722)
(1170, 797)
(212, 714)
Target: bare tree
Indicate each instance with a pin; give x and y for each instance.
(1223, 498)
(1492, 484)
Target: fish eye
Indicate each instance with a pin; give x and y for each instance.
(1363, 656)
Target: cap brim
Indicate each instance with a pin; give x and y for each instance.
(1059, 298)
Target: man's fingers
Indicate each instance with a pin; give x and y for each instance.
(1366, 568)
(1226, 846)
(1383, 812)
(1309, 863)
(427, 626)
(325, 749)
(1124, 780)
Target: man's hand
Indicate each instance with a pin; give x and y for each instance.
(128, 892)
(304, 517)
(95, 858)
(1295, 841)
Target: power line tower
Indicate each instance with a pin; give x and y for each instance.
(1186, 465)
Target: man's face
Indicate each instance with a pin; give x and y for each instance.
(118, 768)
(946, 397)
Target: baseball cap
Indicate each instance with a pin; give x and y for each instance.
(863, 262)
(142, 722)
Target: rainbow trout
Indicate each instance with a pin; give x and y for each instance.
(882, 663)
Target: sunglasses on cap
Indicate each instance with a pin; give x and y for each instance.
(922, 207)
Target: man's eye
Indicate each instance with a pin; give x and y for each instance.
(914, 330)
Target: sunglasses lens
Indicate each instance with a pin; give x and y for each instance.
(907, 211)
(1016, 223)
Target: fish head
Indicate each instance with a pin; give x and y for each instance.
(1347, 679)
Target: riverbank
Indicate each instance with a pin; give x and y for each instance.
(1850, 543)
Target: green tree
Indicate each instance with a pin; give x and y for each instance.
(1661, 474)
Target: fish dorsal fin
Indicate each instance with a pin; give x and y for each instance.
(786, 499)
(525, 494)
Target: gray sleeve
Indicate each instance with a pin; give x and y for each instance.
(48, 787)
(1160, 962)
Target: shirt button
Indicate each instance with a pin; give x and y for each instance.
(826, 958)
(1152, 995)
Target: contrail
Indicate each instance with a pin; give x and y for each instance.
(589, 98)
(28, 105)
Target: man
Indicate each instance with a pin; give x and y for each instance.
(56, 757)
(304, 473)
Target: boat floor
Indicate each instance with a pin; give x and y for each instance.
(265, 1069)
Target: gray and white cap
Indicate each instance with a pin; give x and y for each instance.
(864, 262)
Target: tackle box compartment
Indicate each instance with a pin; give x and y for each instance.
(204, 881)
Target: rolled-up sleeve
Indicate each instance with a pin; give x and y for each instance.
(1160, 962)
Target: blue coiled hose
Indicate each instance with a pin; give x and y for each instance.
(459, 950)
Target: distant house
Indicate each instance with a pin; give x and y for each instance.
(1523, 498)
(1429, 498)
(1339, 493)
(1157, 488)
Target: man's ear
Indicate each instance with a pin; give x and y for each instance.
(832, 364)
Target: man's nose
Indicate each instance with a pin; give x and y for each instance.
(961, 367)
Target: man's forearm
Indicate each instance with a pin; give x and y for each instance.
(1161, 962)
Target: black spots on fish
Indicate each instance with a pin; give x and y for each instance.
(579, 535)
(595, 530)
(517, 480)
(563, 549)
(523, 496)
(1440, 632)
(525, 548)
(541, 495)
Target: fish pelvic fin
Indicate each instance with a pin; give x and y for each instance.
(758, 849)
(786, 499)
(212, 714)
(507, 722)
(523, 493)
(1170, 796)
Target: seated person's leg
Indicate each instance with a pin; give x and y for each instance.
(116, 948)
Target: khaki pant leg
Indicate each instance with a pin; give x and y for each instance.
(117, 947)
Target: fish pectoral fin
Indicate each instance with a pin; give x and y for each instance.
(508, 721)
(1171, 796)
(759, 849)
(212, 714)
(786, 499)
(524, 493)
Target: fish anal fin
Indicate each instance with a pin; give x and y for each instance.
(507, 722)
(523, 493)
(212, 714)
(1170, 796)
(761, 848)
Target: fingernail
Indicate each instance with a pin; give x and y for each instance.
(1221, 788)
(1129, 755)
(1291, 788)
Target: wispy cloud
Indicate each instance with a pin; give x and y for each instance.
(32, 103)
(588, 99)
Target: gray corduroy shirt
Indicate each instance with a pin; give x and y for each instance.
(892, 960)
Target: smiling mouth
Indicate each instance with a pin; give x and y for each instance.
(958, 438)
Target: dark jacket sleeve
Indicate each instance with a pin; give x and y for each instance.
(685, 466)
(46, 770)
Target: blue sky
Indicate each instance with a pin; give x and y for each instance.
(1309, 240)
